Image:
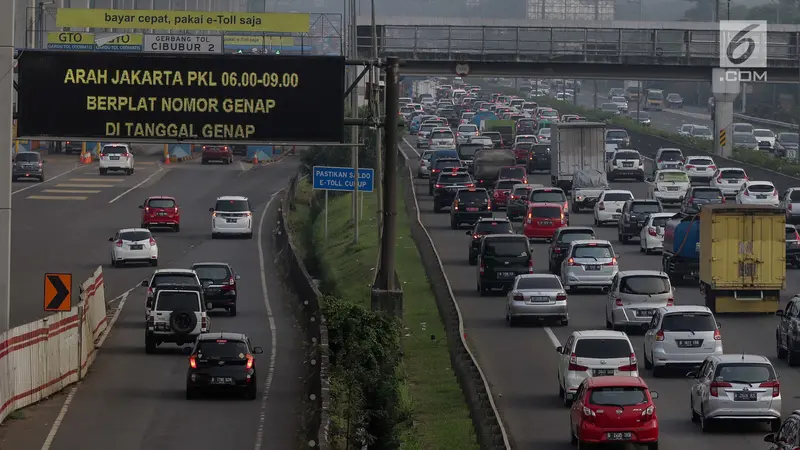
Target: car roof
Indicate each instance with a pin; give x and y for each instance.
(685, 308)
(584, 334)
(763, 183)
(644, 200)
(662, 214)
(671, 149)
(506, 236)
(166, 271)
(575, 228)
(509, 179)
(670, 171)
(126, 230)
(210, 263)
(699, 157)
(617, 191)
(494, 219)
(548, 189)
(615, 381)
(545, 204)
(589, 241)
(179, 287)
(231, 197)
(223, 335)
(639, 273)
(738, 169)
(160, 197)
(741, 358)
(537, 275)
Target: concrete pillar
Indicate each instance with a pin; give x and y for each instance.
(725, 90)
(6, 118)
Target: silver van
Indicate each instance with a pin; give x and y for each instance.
(634, 297)
(681, 336)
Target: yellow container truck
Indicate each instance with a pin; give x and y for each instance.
(742, 257)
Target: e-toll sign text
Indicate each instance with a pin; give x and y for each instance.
(256, 98)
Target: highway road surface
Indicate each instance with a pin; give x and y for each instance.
(520, 363)
(134, 401)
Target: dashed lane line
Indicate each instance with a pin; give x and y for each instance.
(160, 169)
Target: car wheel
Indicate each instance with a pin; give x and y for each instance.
(114, 263)
(573, 440)
(705, 423)
(775, 425)
(791, 355)
(563, 322)
(695, 416)
(453, 225)
(232, 311)
(154, 262)
(191, 393)
(103, 171)
(213, 235)
(566, 400)
(41, 179)
(512, 322)
(204, 161)
(647, 363)
(652, 446)
(252, 391)
(249, 235)
(149, 343)
(130, 171)
(177, 228)
(781, 352)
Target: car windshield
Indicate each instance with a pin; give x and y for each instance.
(609, 107)
(568, 236)
(541, 149)
(744, 139)
(467, 128)
(441, 135)
(618, 396)
(221, 348)
(428, 126)
(645, 207)
(516, 173)
(539, 283)
(472, 196)
(507, 247)
(707, 193)
(701, 131)
(114, 149)
(548, 196)
(670, 155)
(28, 157)
(178, 301)
(678, 177)
(161, 203)
(215, 273)
(763, 133)
(794, 196)
(617, 197)
(655, 95)
(135, 236)
(527, 139)
(733, 174)
(760, 188)
(602, 348)
(592, 251)
(174, 278)
(506, 185)
(700, 161)
(232, 206)
(626, 156)
(619, 100)
(688, 321)
(499, 227)
(673, 97)
(546, 212)
(746, 373)
(616, 134)
(660, 221)
(645, 285)
(743, 128)
(789, 137)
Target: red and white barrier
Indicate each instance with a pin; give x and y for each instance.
(43, 357)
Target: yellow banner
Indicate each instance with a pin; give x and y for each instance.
(183, 20)
(260, 41)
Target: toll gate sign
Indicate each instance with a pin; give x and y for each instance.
(169, 97)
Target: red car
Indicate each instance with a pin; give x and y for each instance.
(217, 153)
(161, 212)
(542, 220)
(502, 192)
(614, 409)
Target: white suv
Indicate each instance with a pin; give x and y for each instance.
(680, 336)
(178, 316)
(232, 215)
(116, 157)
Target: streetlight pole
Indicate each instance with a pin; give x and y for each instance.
(6, 117)
(354, 114)
(376, 89)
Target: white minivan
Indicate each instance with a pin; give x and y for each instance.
(231, 216)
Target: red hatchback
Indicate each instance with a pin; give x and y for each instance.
(161, 212)
(217, 153)
(502, 192)
(543, 219)
(614, 410)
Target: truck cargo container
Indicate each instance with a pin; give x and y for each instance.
(680, 258)
(487, 163)
(742, 257)
(506, 128)
(575, 146)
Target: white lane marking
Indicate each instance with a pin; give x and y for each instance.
(160, 169)
(47, 180)
(274, 354)
(552, 337)
(411, 146)
(65, 407)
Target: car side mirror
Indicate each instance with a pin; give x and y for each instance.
(141, 206)
(559, 349)
(111, 239)
(238, 277)
(186, 350)
(779, 313)
(210, 209)
(719, 325)
(258, 350)
(691, 374)
(653, 395)
(144, 283)
(616, 256)
(769, 438)
(619, 210)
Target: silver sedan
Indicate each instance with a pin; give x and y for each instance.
(537, 296)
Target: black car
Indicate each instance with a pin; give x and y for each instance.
(484, 227)
(539, 157)
(469, 205)
(674, 101)
(785, 142)
(618, 137)
(238, 149)
(792, 246)
(219, 285)
(222, 362)
(447, 186)
(788, 340)
(634, 215)
(500, 259)
(698, 196)
(443, 165)
(27, 165)
(526, 126)
(559, 246)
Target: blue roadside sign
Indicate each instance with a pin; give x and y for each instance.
(341, 179)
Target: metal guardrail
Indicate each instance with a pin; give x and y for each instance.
(767, 122)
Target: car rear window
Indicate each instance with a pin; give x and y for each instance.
(174, 301)
(544, 283)
(617, 396)
(540, 149)
(507, 247)
(522, 192)
(114, 149)
(548, 196)
(737, 174)
(473, 196)
(441, 135)
(507, 185)
(644, 285)
(161, 203)
(232, 206)
(744, 373)
(221, 348)
(468, 128)
(592, 251)
(485, 227)
(760, 188)
(670, 155)
(688, 322)
(447, 164)
(617, 197)
(135, 236)
(700, 161)
(546, 212)
(469, 149)
(602, 348)
(213, 273)
(513, 172)
(707, 193)
(174, 278)
(27, 156)
(568, 236)
(454, 178)
(428, 126)
(626, 156)
(660, 221)
(795, 196)
(616, 134)
(646, 207)
(527, 139)
(677, 177)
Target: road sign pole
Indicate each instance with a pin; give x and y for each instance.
(354, 114)
(6, 118)
(326, 214)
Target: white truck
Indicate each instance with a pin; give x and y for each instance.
(575, 146)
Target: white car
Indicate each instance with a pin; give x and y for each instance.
(545, 135)
(133, 245)
(232, 215)
(728, 180)
(167, 276)
(651, 238)
(668, 186)
(465, 132)
(685, 130)
(609, 206)
(116, 157)
(525, 139)
(680, 336)
(669, 158)
(486, 141)
(700, 168)
(624, 163)
(701, 133)
(766, 138)
(621, 103)
(442, 139)
(758, 193)
(593, 353)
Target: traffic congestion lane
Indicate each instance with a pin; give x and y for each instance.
(521, 363)
(137, 400)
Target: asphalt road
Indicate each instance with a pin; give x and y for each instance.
(134, 401)
(520, 363)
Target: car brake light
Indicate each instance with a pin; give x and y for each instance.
(647, 414)
(150, 321)
(515, 197)
(631, 367)
(618, 301)
(249, 362)
(660, 160)
(746, 178)
(573, 364)
(601, 206)
(530, 218)
(119, 243)
(489, 205)
(660, 335)
(712, 167)
(519, 297)
(775, 385)
(176, 210)
(439, 186)
(571, 262)
(530, 266)
(152, 242)
(719, 179)
(690, 166)
(774, 192)
(789, 206)
(717, 335)
(482, 268)
(193, 362)
(612, 263)
(476, 236)
(652, 231)
(714, 387)
(455, 205)
(747, 193)
(670, 302)
(588, 414)
(204, 322)
(561, 297)
(470, 185)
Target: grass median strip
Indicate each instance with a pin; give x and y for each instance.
(439, 415)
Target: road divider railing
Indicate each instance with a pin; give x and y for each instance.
(486, 418)
(317, 359)
(770, 123)
(42, 357)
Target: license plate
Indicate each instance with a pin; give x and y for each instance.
(761, 197)
(505, 274)
(162, 214)
(645, 312)
(115, 158)
(615, 216)
(619, 436)
(672, 189)
(691, 343)
(538, 299)
(221, 380)
(137, 247)
(591, 267)
(545, 222)
(627, 165)
(602, 372)
(745, 396)
(230, 220)
(452, 189)
(472, 209)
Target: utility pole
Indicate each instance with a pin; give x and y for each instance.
(354, 114)
(376, 89)
(6, 118)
